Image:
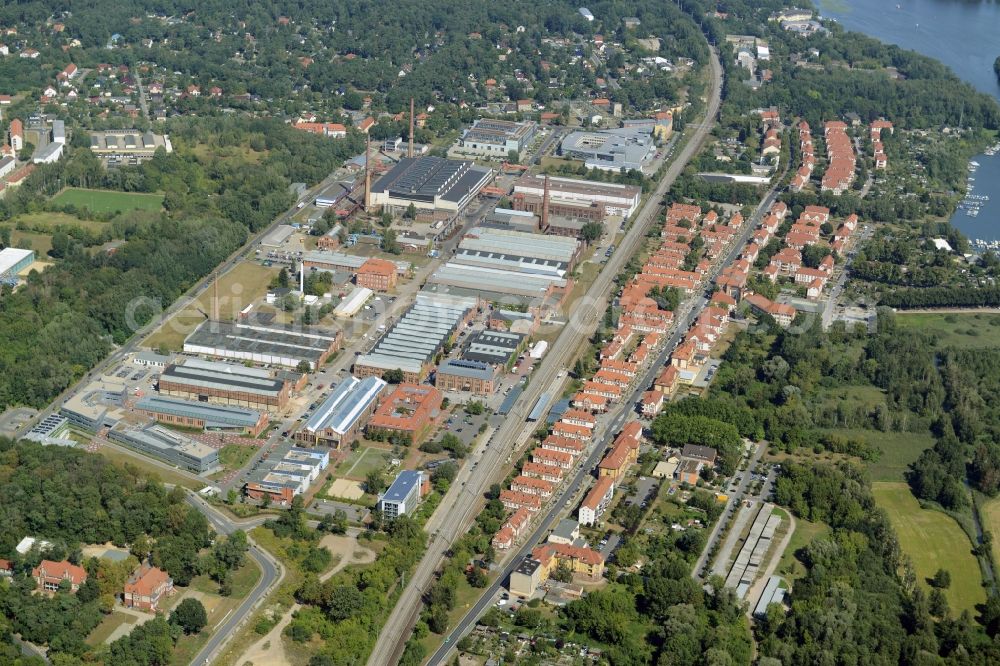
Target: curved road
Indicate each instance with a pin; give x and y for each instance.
(271, 575)
(460, 506)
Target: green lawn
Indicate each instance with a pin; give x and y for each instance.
(108, 201)
(107, 626)
(933, 541)
(365, 459)
(964, 331)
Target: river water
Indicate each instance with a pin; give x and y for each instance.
(963, 34)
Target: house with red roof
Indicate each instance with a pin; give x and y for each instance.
(49, 575)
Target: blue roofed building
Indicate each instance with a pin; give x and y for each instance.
(203, 415)
(342, 416)
(403, 495)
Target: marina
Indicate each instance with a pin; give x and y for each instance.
(954, 33)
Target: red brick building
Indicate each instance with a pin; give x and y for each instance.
(146, 587)
(411, 409)
(48, 575)
(376, 274)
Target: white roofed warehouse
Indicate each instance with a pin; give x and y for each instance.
(343, 415)
(413, 343)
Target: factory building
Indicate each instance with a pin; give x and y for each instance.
(98, 406)
(287, 472)
(493, 347)
(215, 418)
(353, 302)
(410, 410)
(513, 220)
(610, 150)
(617, 199)
(169, 446)
(403, 495)
(430, 184)
(530, 248)
(413, 343)
(116, 145)
(230, 384)
(340, 419)
(461, 375)
(343, 263)
(496, 138)
(499, 285)
(267, 345)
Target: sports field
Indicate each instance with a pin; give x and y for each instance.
(933, 541)
(238, 288)
(961, 330)
(108, 201)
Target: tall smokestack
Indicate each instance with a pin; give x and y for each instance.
(215, 297)
(302, 278)
(368, 174)
(545, 205)
(409, 152)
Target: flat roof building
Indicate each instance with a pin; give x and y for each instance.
(403, 495)
(267, 345)
(117, 146)
(413, 342)
(494, 347)
(617, 199)
(340, 418)
(496, 138)
(14, 260)
(169, 446)
(278, 236)
(287, 472)
(430, 183)
(216, 418)
(611, 150)
(228, 384)
(466, 375)
(528, 247)
(353, 302)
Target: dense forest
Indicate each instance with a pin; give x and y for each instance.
(72, 498)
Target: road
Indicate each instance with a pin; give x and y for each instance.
(271, 575)
(732, 506)
(508, 438)
(143, 102)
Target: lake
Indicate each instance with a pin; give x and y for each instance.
(965, 36)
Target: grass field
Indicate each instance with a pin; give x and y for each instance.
(40, 243)
(359, 463)
(238, 288)
(933, 541)
(805, 532)
(899, 449)
(991, 521)
(964, 331)
(50, 221)
(107, 627)
(108, 201)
